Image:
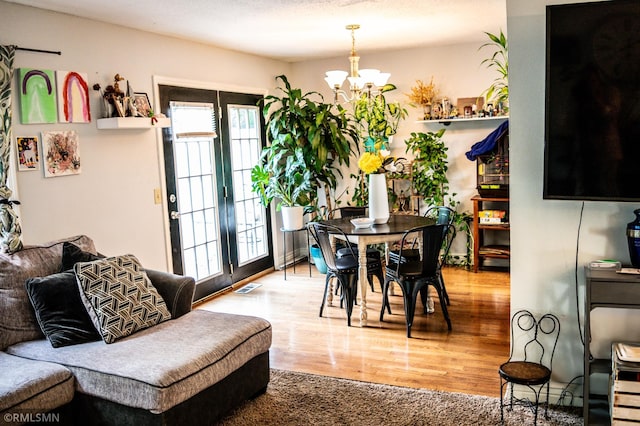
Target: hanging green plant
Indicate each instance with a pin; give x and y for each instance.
(429, 167)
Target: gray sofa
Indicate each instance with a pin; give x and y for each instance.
(191, 369)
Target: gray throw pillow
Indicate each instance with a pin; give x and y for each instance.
(59, 309)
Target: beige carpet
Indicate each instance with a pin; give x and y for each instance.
(304, 399)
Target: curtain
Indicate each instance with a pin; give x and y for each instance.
(10, 231)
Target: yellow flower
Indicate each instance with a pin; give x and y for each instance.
(370, 162)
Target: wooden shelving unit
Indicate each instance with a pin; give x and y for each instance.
(480, 250)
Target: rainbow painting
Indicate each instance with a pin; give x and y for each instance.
(37, 96)
(73, 97)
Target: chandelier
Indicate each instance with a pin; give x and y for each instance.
(369, 81)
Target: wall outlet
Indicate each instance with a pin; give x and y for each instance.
(157, 196)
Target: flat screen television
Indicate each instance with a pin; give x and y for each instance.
(592, 117)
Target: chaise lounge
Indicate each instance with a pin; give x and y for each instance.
(190, 369)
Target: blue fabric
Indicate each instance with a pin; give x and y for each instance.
(489, 143)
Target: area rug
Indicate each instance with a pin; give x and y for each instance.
(306, 399)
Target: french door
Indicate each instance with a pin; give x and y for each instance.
(220, 234)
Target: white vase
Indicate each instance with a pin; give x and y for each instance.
(292, 217)
(378, 198)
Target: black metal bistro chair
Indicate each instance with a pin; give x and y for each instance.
(415, 275)
(533, 343)
(360, 211)
(344, 269)
(444, 216)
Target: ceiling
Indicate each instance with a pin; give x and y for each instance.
(296, 30)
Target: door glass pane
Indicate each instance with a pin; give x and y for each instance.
(246, 143)
(193, 126)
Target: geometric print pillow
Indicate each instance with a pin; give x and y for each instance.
(119, 296)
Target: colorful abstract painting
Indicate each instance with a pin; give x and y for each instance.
(28, 154)
(61, 151)
(37, 96)
(73, 97)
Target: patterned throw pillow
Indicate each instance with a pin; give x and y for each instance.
(119, 296)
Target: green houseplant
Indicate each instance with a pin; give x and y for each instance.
(498, 91)
(429, 179)
(429, 167)
(307, 141)
(377, 121)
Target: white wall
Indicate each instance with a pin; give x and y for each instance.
(544, 233)
(112, 199)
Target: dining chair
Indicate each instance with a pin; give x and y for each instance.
(533, 344)
(344, 269)
(376, 268)
(442, 215)
(414, 275)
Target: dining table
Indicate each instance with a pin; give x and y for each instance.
(386, 233)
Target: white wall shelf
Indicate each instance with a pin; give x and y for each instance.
(446, 122)
(132, 123)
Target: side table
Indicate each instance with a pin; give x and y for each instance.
(293, 243)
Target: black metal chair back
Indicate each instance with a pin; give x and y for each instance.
(344, 269)
(352, 211)
(533, 344)
(432, 239)
(321, 233)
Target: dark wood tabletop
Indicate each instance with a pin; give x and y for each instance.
(397, 224)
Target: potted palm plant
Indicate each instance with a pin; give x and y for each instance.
(307, 141)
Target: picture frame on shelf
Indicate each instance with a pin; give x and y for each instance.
(142, 104)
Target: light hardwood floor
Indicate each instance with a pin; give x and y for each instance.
(463, 360)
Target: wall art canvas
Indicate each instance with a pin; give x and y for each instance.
(37, 94)
(28, 153)
(73, 97)
(61, 152)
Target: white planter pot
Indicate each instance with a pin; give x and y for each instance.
(378, 198)
(292, 217)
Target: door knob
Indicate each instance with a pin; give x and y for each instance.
(174, 215)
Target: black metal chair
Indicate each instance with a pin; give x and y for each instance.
(344, 269)
(414, 275)
(533, 343)
(444, 216)
(360, 211)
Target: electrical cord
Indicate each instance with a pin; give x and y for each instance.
(575, 271)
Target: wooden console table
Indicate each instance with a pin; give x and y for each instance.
(605, 288)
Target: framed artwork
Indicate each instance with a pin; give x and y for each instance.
(61, 150)
(28, 154)
(73, 97)
(37, 94)
(142, 104)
